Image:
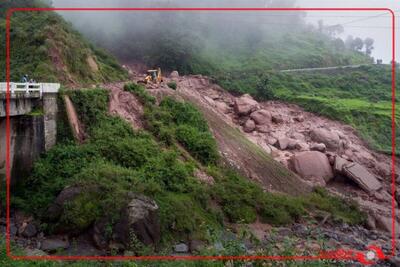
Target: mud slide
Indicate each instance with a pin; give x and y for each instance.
(74, 123)
(125, 105)
(240, 153)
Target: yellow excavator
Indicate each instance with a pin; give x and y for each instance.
(153, 76)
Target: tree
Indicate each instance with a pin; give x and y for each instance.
(369, 42)
(333, 30)
(339, 44)
(349, 42)
(263, 89)
(171, 50)
(358, 44)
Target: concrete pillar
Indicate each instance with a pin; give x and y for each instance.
(50, 110)
(3, 146)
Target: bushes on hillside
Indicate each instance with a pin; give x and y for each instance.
(91, 105)
(174, 120)
(242, 200)
(172, 85)
(140, 91)
(201, 145)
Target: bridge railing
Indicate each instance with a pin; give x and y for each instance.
(30, 89)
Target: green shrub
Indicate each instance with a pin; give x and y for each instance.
(172, 85)
(242, 200)
(130, 152)
(183, 113)
(140, 91)
(201, 145)
(90, 104)
(174, 120)
(51, 174)
(342, 210)
(39, 38)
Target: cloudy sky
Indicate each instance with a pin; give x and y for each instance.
(374, 24)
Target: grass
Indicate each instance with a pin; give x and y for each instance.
(180, 121)
(231, 248)
(140, 91)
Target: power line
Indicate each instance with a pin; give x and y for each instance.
(367, 18)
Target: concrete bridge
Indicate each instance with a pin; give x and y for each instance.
(33, 124)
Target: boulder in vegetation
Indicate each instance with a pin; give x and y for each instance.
(67, 194)
(181, 248)
(54, 244)
(29, 230)
(139, 218)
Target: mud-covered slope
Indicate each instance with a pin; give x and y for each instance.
(256, 149)
(238, 151)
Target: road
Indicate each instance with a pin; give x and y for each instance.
(328, 68)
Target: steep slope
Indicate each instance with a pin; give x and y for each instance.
(47, 48)
(238, 151)
(360, 97)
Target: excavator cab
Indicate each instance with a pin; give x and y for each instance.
(153, 76)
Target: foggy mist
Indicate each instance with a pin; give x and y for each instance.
(116, 31)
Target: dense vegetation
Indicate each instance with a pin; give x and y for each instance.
(360, 97)
(116, 160)
(48, 49)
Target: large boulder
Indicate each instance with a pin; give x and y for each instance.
(383, 169)
(261, 117)
(339, 164)
(286, 143)
(174, 74)
(249, 126)
(245, 104)
(67, 194)
(54, 243)
(139, 218)
(318, 147)
(329, 138)
(311, 164)
(222, 107)
(384, 223)
(361, 176)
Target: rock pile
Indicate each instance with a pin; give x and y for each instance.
(320, 151)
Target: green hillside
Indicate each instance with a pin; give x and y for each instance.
(47, 48)
(240, 67)
(117, 161)
(360, 97)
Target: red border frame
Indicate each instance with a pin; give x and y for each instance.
(338, 255)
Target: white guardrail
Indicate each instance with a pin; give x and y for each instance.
(30, 88)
